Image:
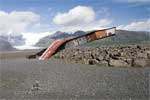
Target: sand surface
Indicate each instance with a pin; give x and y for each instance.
(59, 79)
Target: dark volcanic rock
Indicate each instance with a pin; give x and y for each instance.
(139, 62)
(148, 54)
(113, 56)
(118, 63)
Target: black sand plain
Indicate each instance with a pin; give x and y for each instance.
(61, 80)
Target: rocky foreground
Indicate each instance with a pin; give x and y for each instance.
(111, 56)
(53, 79)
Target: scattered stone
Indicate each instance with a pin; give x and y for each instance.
(113, 56)
(100, 57)
(142, 55)
(118, 63)
(102, 63)
(138, 47)
(129, 61)
(36, 86)
(148, 63)
(139, 62)
(31, 57)
(90, 61)
(148, 54)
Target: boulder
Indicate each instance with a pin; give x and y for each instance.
(115, 56)
(139, 62)
(118, 63)
(148, 54)
(90, 61)
(138, 47)
(100, 57)
(141, 55)
(129, 61)
(102, 63)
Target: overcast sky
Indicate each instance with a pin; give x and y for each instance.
(42, 16)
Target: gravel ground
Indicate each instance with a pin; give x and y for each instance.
(58, 79)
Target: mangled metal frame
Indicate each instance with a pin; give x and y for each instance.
(76, 41)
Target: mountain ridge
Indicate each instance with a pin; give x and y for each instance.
(14, 40)
(122, 36)
(47, 40)
(6, 46)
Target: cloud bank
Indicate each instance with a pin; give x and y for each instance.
(79, 18)
(76, 16)
(137, 26)
(32, 38)
(16, 22)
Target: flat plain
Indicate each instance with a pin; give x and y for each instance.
(59, 79)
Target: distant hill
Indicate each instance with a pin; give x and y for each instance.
(60, 34)
(124, 37)
(46, 41)
(5, 46)
(14, 40)
(121, 37)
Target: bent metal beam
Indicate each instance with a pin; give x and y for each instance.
(71, 42)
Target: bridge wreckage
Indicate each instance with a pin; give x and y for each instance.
(63, 43)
